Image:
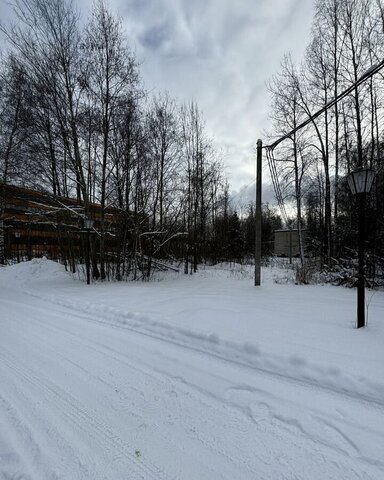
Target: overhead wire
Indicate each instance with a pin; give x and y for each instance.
(367, 74)
(276, 183)
(270, 148)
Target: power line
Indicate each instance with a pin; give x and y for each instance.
(276, 183)
(367, 74)
(270, 148)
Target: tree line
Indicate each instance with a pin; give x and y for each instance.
(346, 40)
(76, 121)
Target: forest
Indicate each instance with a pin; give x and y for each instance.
(77, 122)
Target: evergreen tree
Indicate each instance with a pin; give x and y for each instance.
(235, 238)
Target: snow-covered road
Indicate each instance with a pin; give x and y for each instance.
(105, 383)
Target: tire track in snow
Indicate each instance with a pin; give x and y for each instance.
(277, 422)
(34, 455)
(31, 458)
(79, 417)
(102, 349)
(246, 355)
(199, 403)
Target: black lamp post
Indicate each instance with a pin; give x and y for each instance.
(17, 236)
(360, 182)
(88, 225)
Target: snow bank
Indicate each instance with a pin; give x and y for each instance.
(37, 272)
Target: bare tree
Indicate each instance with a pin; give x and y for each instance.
(110, 75)
(288, 113)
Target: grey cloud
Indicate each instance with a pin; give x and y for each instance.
(220, 53)
(154, 37)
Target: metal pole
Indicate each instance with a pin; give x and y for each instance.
(88, 256)
(258, 215)
(17, 235)
(360, 281)
(2, 240)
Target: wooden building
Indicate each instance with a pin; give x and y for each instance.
(35, 223)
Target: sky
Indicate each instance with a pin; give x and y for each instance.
(221, 54)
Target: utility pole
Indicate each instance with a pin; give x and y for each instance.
(258, 214)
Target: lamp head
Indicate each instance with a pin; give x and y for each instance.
(360, 181)
(88, 223)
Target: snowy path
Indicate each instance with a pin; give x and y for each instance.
(103, 396)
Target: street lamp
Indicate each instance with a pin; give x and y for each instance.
(17, 236)
(88, 225)
(360, 182)
(258, 214)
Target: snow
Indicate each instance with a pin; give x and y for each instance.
(187, 377)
